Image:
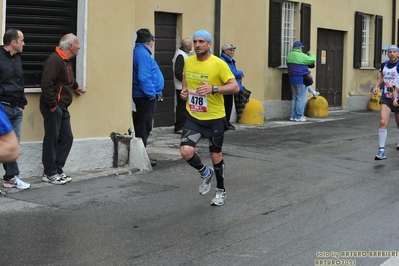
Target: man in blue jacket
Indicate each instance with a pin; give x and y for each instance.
(148, 83)
(297, 63)
(228, 51)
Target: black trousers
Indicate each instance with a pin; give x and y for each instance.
(181, 111)
(58, 139)
(228, 106)
(143, 117)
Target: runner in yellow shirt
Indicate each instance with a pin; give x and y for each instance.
(205, 79)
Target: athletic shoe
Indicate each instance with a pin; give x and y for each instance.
(300, 119)
(205, 185)
(219, 198)
(65, 177)
(53, 179)
(292, 119)
(305, 117)
(380, 155)
(16, 182)
(315, 94)
(397, 147)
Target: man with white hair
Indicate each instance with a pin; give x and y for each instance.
(206, 78)
(58, 85)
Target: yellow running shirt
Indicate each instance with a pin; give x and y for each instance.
(213, 71)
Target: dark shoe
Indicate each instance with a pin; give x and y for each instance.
(180, 131)
(231, 127)
(153, 162)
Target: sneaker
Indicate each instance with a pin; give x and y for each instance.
(65, 177)
(380, 155)
(219, 198)
(305, 117)
(397, 146)
(300, 119)
(205, 185)
(53, 179)
(291, 119)
(315, 94)
(16, 182)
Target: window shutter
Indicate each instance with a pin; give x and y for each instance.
(398, 33)
(357, 49)
(43, 23)
(378, 42)
(275, 10)
(305, 25)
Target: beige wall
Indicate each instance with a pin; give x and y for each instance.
(106, 105)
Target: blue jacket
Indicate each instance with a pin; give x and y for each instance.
(147, 77)
(232, 65)
(297, 63)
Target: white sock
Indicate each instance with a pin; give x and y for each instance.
(382, 136)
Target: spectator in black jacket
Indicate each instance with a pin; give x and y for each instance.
(12, 96)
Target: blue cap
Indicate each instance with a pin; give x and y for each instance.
(298, 44)
(393, 47)
(203, 34)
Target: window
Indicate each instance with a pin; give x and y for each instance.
(363, 41)
(287, 30)
(43, 23)
(366, 41)
(283, 32)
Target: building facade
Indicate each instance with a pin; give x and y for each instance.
(349, 38)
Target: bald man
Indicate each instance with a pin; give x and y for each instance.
(178, 64)
(58, 85)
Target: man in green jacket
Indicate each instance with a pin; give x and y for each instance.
(297, 63)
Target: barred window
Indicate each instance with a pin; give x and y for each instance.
(287, 30)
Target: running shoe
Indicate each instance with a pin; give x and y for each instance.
(65, 177)
(397, 146)
(205, 185)
(380, 155)
(16, 182)
(220, 196)
(53, 179)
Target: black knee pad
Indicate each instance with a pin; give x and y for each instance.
(216, 143)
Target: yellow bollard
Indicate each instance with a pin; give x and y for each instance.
(374, 103)
(254, 113)
(317, 107)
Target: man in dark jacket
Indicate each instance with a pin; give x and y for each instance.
(12, 96)
(58, 84)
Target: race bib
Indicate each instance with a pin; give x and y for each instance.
(197, 103)
(388, 93)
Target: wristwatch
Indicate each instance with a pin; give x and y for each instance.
(214, 89)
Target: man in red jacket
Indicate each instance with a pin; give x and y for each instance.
(58, 84)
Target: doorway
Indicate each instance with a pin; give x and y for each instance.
(329, 67)
(165, 48)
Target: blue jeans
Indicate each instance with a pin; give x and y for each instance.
(15, 115)
(298, 100)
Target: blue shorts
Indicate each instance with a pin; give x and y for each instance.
(207, 128)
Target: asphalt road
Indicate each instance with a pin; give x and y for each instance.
(297, 194)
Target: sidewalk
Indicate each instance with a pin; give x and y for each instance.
(163, 144)
(36, 181)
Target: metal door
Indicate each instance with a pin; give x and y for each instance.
(165, 47)
(330, 44)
